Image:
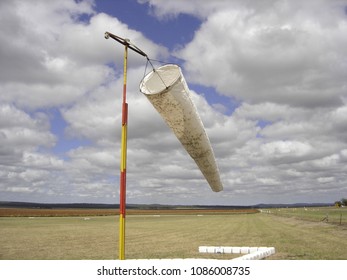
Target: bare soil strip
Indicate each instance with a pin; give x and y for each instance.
(37, 212)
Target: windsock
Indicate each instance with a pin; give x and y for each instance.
(167, 90)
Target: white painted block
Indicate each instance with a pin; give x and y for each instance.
(249, 253)
(244, 250)
(202, 249)
(228, 250)
(236, 250)
(219, 250)
(253, 249)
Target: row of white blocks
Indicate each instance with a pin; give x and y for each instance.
(250, 253)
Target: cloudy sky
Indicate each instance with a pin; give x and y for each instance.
(268, 78)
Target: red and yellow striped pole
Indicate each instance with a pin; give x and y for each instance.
(123, 163)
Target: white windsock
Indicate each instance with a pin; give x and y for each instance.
(168, 92)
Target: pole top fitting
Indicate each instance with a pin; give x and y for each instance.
(125, 42)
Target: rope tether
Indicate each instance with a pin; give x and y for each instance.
(150, 62)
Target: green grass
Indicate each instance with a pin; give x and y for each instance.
(168, 237)
(58, 238)
(318, 214)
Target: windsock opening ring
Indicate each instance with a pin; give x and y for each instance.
(160, 79)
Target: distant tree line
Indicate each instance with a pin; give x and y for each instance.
(341, 203)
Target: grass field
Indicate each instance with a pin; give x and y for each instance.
(332, 215)
(75, 212)
(169, 236)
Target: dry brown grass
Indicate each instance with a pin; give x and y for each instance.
(38, 212)
(167, 236)
(73, 212)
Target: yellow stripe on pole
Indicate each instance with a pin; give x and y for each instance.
(122, 192)
(121, 237)
(125, 67)
(123, 148)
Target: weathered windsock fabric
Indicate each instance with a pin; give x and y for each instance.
(168, 92)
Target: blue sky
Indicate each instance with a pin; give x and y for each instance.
(268, 80)
(162, 31)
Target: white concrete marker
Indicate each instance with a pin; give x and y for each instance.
(251, 253)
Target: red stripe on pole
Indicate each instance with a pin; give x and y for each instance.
(122, 192)
(125, 114)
